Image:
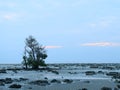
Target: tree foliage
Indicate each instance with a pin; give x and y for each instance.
(34, 53)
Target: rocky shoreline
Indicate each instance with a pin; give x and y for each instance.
(66, 76)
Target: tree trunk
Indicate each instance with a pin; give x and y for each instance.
(26, 67)
(33, 54)
(35, 67)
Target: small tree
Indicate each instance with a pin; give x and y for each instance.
(34, 53)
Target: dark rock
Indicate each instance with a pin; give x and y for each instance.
(106, 88)
(118, 86)
(8, 81)
(86, 81)
(84, 88)
(15, 86)
(112, 74)
(46, 78)
(108, 67)
(40, 82)
(100, 72)
(2, 80)
(116, 89)
(16, 80)
(2, 84)
(56, 72)
(72, 72)
(30, 88)
(23, 79)
(115, 75)
(55, 81)
(67, 81)
(94, 66)
(90, 73)
(3, 71)
(15, 71)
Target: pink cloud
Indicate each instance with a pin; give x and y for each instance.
(101, 44)
(52, 47)
(10, 16)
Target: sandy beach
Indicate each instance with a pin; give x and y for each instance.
(61, 77)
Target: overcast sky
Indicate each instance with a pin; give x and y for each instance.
(73, 31)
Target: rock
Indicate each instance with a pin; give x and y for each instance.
(3, 71)
(106, 88)
(94, 66)
(116, 89)
(55, 81)
(15, 71)
(100, 72)
(23, 79)
(84, 88)
(67, 81)
(112, 74)
(86, 81)
(2, 84)
(90, 73)
(2, 80)
(118, 86)
(30, 88)
(56, 72)
(8, 81)
(72, 72)
(40, 82)
(15, 86)
(46, 78)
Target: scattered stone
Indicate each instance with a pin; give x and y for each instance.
(106, 88)
(56, 72)
(3, 71)
(67, 81)
(94, 66)
(8, 81)
(30, 88)
(90, 73)
(112, 74)
(100, 72)
(2, 84)
(86, 81)
(40, 82)
(118, 86)
(84, 88)
(23, 79)
(55, 81)
(116, 89)
(2, 80)
(15, 86)
(46, 78)
(16, 80)
(72, 72)
(15, 71)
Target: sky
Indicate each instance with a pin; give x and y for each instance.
(73, 31)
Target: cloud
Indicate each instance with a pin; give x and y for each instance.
(102, 44)
(103, 22)
(10, 16)
(53, 47)
(79, 3)
(8, 4)
(93, 25)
